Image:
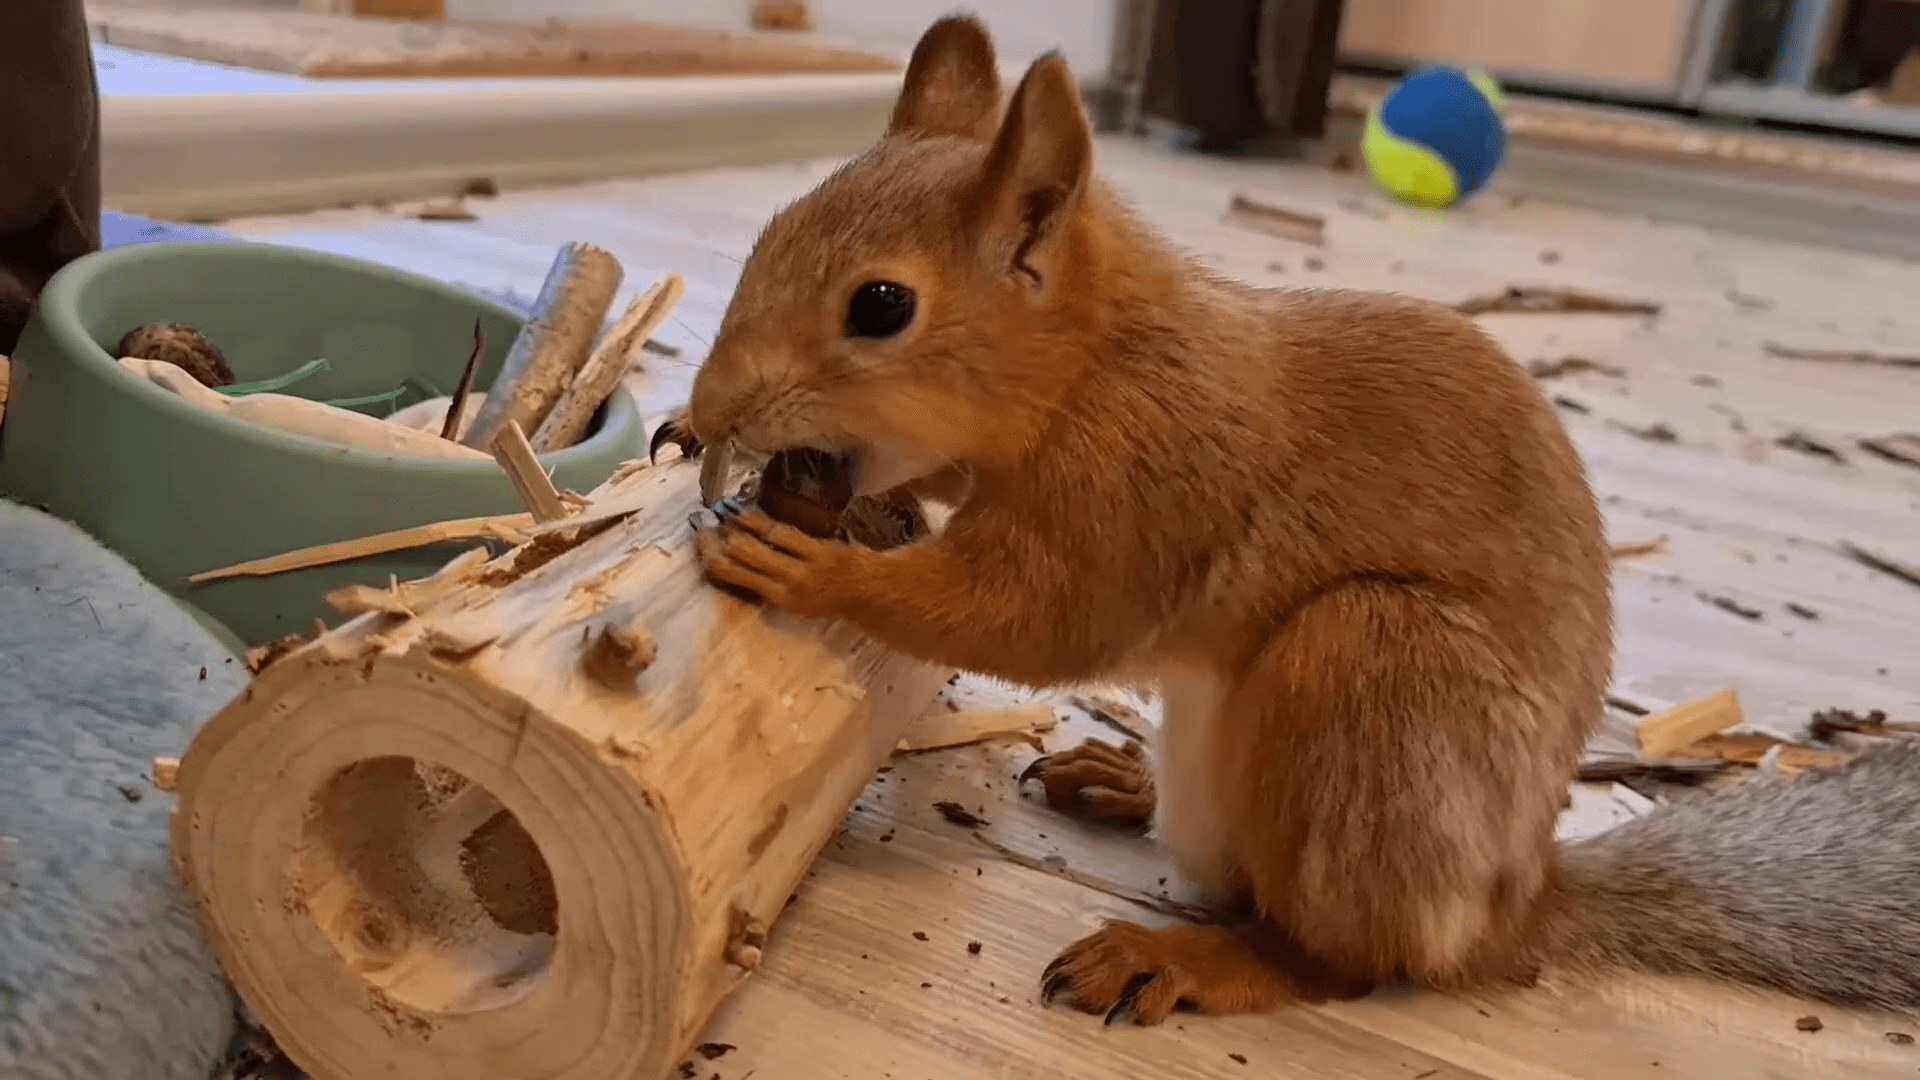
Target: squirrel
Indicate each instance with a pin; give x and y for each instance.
(1341, 533)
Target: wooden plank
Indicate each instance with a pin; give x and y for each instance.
(323, 45)
(1592, 41)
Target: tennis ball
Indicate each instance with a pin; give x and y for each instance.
(1437, 136)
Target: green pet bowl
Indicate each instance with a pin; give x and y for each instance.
(177, 489)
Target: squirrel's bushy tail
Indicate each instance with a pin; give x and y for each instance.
(1808, 885)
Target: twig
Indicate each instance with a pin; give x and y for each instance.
(556, 340)
(1163, 905)
(603, 371)
(1536, 300)
(1572, 365)
(451, 429)
(1631, 708)
(1908, 574)
(530, 481)
(503, 527)
(1274, 220)
(1840, 356)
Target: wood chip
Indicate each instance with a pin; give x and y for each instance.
(166, 773)
(1275, 220)
(1117, 715)
(530, 481)
(960, 815)
(944, 730)
(1572, 365)
(1808, 1023)
(1801, 442)
(1899, 449)
(1906, 573)
(1539, 300)
(1841, 356)
(506, 528)
(1634, 549)
(1678, 727)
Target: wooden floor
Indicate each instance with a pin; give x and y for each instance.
(870, 973)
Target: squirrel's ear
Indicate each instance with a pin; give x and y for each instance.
(1038, 168)
(952, 85)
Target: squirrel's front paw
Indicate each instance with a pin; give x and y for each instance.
(751, 552)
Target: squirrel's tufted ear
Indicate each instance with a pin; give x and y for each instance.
(952, 85)
(1037, 170)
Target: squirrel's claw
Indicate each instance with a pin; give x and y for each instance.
(674, 430)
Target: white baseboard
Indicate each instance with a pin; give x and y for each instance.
(212, 156)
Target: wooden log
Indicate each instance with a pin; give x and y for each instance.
(535, 818)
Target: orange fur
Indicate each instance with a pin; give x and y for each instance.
(1342, 532)
(1348, 513)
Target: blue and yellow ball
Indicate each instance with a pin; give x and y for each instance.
(1437, 136)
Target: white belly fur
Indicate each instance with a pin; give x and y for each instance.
(1187, 816)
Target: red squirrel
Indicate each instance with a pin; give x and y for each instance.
(1341, 533)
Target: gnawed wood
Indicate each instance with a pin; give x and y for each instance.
(583, 721)
(1276, 220)
(1541, 300)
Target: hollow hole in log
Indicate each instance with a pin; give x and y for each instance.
(427, 886)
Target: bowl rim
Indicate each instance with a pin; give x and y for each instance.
(58, 313)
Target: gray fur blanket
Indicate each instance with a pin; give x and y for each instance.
(103, 975)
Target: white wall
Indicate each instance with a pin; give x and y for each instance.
(1083, 30)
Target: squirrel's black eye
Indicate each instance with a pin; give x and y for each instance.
(879, 309)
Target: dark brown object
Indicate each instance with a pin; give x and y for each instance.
(1572, 365)
(180, 345)
(1537, 300)
(1899, 1038)
(49, 152)
(1899, 449)
(1908, 574)
(1237, 69)
(1830, 722)
(451, 209)
(1803, 443)
(974, 947)
(813, 491)
(1840, 356)
(781, 15)
(960, 815)
(458, 404)
(714, 1050)
(1808, 1023)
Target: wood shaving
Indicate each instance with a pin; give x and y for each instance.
(1120, 717)
(1633, 549)
(1899, 449)
(1572, 365)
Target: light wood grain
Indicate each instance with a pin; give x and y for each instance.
(457, 837)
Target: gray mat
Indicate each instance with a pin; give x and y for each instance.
(103, 975)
